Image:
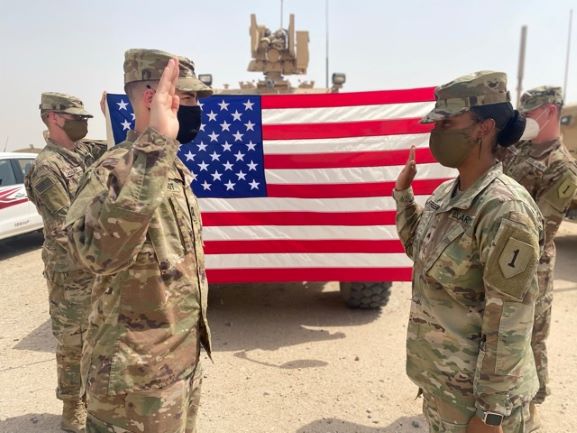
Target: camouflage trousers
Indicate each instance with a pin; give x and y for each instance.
(447, 417)
(69, 298)
(172, 409)
(542, 326)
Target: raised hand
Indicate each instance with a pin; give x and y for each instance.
(164, 106)
(408, 172)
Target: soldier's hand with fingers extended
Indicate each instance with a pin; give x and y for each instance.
(408, 172)
(164, 106)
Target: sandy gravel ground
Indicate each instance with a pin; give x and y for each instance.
(287, 358)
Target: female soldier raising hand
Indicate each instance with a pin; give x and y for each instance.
(475, 247)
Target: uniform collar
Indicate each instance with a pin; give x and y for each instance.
(540, 150)
(70, 155)
(465, 199)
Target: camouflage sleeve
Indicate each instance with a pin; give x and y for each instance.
(48, 193)
(94, 150)
(510, 238)
(408, 217)
(557, 189)
(109, 218)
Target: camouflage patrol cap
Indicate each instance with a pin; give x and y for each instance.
(463, 93)
(147, 65)
(541, 95)
(62, 103)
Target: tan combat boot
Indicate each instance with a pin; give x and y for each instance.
(74, 416)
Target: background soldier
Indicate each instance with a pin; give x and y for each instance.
(136, 223)
(547, 170)
(475, 246)
(51, 186)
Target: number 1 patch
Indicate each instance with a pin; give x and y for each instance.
(566, 189)
(515, 257)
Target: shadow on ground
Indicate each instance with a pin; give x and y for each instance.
(39, 340)
(291, 314)
(32, 423)
(17, 245)
(405, 424)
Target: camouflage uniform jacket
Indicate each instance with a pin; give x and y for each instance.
(51, 185)
(549, 173)
(474, 289)
(136, 224)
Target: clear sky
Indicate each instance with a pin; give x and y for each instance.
(77, 46)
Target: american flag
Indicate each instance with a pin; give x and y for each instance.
(298, 187)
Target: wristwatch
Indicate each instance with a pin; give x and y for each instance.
(490, 418)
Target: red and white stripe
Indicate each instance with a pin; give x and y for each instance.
(331, 162)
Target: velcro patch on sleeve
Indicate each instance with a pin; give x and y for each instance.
(559, 196)
(512, 261)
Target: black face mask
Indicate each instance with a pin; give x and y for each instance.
(189, 121)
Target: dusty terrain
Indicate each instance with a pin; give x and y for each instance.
(288, 358)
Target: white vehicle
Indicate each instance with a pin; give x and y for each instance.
(18, 215)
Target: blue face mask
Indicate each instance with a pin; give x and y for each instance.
(189, 123)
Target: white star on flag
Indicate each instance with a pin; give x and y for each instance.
(215, 156)
(248, 105)
(251, 145)
(203, 166)
(212, 116)
(216, 175)
(193, 175)
(227, 165)
(241, 175)
(189, 156)
(201, 127)
(201, 146)
(226, 146)
(239, 156)
(206, 186)
(236, 115)
(230, 185)
(225, 126)
(223, 105)
(213, 136)
(125, 125)
(237, 136)
(122, 104)
(132, 116)
(252, 166)
(254, 184)
(249, 126)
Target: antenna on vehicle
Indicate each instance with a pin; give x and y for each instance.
(6, 143)
(521, 70)
(327, 43)
(568, 53)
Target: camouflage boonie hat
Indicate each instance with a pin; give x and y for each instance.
(147, 65)
(541, 95)
(473, 90)
(62, 103)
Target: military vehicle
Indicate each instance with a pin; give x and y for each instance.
(278, 54)
(569, 133)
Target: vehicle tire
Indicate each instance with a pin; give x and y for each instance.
(366, 295)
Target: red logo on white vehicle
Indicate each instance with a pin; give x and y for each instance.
(11, 196)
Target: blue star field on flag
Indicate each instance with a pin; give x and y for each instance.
(226, 157)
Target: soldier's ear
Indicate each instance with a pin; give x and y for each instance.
(487, 127)
(148, 95)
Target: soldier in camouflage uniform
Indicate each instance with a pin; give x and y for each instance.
(547, 170)
(51, 186)
(137, 225)
(475, 245)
